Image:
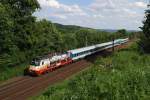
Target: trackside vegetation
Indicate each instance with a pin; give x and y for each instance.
(10, 72)
(125, 75)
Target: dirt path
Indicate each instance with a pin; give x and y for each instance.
(26, 86)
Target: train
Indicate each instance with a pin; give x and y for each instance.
(50, 62)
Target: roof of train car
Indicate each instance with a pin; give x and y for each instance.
(46, 56)
(94, 46)
(81, 49)
(103, 44)
(89, 48)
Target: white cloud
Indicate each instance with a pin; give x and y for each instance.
(117, 8)
(62, 8)
(98, 14)
(56, 15)
(115, 5)
(50, 3)
(71, 10)
(139, 4)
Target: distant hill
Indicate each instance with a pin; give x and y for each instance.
(115, 30)
(69, 28)
(72, 28)
(108, 30)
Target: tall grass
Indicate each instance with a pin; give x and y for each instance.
(124, 75)
(10, 72)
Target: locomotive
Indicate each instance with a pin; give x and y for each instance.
(41, 65)
(50, 62)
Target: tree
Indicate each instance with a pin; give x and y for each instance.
(145, 37)
(121, 33)
(69, 42)
(16, 21)
(6, 24)
(82, 37)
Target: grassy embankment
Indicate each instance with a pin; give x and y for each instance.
(125, 75)
(10, 72)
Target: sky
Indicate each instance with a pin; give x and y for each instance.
(98, 14)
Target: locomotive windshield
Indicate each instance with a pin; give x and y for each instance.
(35, 62)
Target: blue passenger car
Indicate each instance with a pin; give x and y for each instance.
(83, 52)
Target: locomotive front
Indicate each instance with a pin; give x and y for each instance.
(34, 67)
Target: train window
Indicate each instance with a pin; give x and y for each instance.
(35, 63)
(82, 52)
(42, 62)
(70, 56)
(74, 55)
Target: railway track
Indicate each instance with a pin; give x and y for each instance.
(25, 86)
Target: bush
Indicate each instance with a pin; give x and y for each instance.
(8, 72)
